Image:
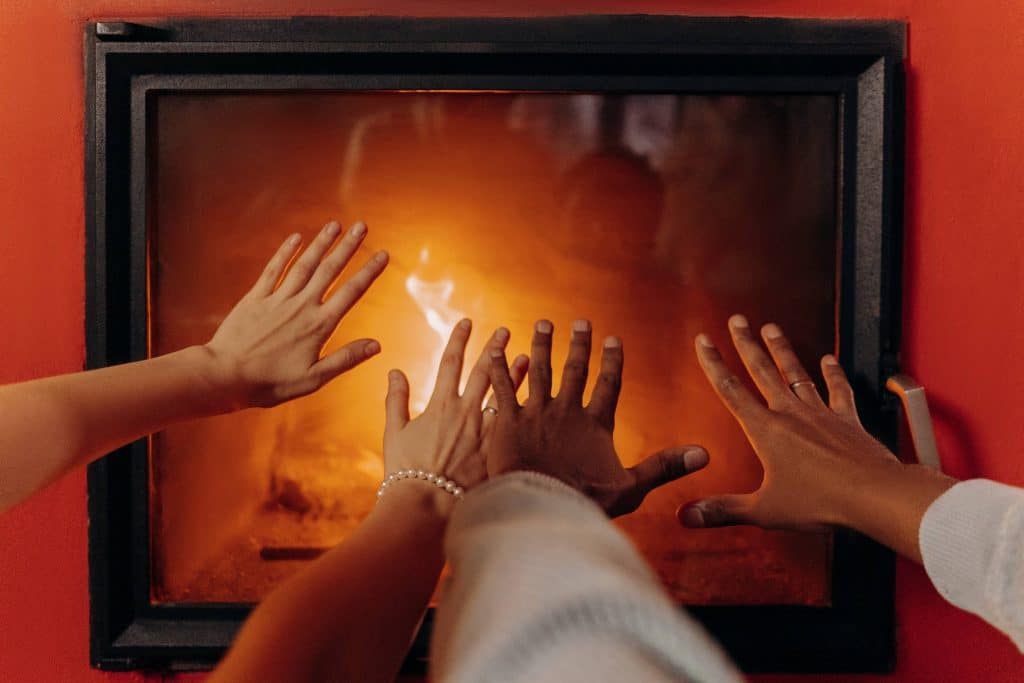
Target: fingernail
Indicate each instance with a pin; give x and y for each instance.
(521, 360)
(738, 321)
(695, 459)
(359, 229)
(544, 326)
(771, 331)
(381, 257)
(394, 376)
(581, 326)
(829, 359)
(372, 348)
(705, 341)
(501, 335)
(294, 239)
(465, 324)
(612, 343)
(332, 228)
(691, 516)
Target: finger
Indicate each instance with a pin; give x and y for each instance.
(450, 370)
(840, 394)
(717, 511)
(758, 364)
(540, 363)
(606, 392)
(276, 265)
(344, 359)
(501, 380)
(574, 375)
(304, 266)
(736, 397)
(330, 268)
(790, 366)
(664, 467)
(479, 377)
(520, 366)
(396, 403)
(342, 301)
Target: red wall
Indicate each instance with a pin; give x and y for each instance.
(964, 315)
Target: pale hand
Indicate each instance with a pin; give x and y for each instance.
(446, 438)
(268, 348)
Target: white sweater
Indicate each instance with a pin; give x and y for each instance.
(544, 588)
(972, 542)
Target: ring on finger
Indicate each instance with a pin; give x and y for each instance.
(800, 383)
(491, 410)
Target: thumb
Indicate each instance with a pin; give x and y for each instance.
(717, 511)
(665, 466)
(396, 403)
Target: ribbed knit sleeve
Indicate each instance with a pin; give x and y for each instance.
(972, 542)
(545, 588)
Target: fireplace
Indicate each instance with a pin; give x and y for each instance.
(653, 174)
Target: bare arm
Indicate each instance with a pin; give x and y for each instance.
(352, 614)
(265, 352)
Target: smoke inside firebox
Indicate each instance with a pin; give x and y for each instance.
(655, 216)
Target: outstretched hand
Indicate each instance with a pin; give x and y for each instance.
(821, 467)
(446, 438)
(560, 437)
(268, 348)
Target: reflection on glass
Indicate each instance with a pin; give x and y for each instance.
(655, 216)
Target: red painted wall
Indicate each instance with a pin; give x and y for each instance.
(964, 316)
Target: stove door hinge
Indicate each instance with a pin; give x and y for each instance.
(126, 30)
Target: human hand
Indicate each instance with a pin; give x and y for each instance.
(562, 438)
(446, 438)
(821, 467)
(267, 350)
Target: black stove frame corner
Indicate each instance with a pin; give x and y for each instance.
(859, 62)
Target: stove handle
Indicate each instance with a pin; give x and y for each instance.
(915, 407)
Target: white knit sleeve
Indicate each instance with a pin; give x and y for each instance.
(972, 543)
(545, 588)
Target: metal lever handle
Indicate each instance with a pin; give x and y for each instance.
(915, 405)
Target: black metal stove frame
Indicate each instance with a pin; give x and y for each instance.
(859, 62)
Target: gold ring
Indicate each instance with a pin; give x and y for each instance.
(492, 410)
(794, 385)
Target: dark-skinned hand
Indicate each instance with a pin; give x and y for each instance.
(560, 437)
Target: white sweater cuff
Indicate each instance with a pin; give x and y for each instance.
(972, 538)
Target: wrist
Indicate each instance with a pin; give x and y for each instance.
(215, 374)
(862, 491)
(417, 497)
(888, 503)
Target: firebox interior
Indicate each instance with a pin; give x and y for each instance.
(653, 215)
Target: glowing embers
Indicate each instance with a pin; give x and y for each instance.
(502, 208)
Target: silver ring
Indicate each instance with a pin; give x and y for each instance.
(794, 385)
(492, 410)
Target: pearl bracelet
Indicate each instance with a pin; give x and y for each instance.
(437, 480)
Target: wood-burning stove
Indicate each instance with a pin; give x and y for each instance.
(172, 105)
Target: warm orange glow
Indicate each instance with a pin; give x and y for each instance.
(501, 208)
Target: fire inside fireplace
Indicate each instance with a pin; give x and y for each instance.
(653, 215)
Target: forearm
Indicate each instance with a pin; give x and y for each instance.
(887, 502)
(538, 571)
(51, 425)
(352, 614)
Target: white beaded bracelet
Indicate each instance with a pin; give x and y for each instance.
(436, 479)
